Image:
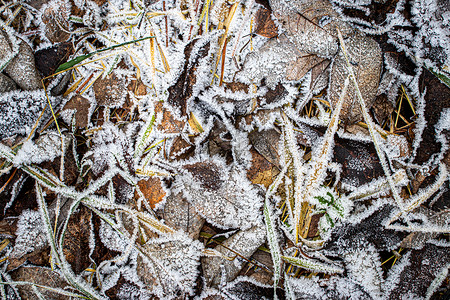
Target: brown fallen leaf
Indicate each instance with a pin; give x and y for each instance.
(219, 141)
(153, 190)
(304, 62)
(365, 56)
(220, 194)
(22, 68)
(42, 276)
(264, 25)
(417, 240)
(182, 90)
(6, 84)
(81, 106)
(181, 149)
(76, 247)
(110, 91)
(311, 25)
(169, 124)
(50, 58)
(170, 266)
(56, 20)
(261, 170)
(179, 214)
(266, 143)
(242, 244)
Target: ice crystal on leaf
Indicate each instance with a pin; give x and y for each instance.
(19, 111)
(30, 234)
(220, 194)
(173, 261)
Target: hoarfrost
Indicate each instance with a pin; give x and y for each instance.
(19, 111)
(111, 239)
(364, 267)
(30, 233)
(170, 265)
(46, 148)
(221, 195)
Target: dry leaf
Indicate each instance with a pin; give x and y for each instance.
(42, 276)
(302, 65)
(180, 214)
(220, 194)
(22, 68)
(365, 56)
(110, 91)
(264, 25)
(169, 124)
(81, 106)
(55, 16)
(153, 190)
(244, 243)
(266, 143)
(261, 170)
(76, 240)
(6, 84)
(311, 25)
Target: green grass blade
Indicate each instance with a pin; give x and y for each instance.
(441, 76)
(73, 62)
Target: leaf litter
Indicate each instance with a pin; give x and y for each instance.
(224, 149)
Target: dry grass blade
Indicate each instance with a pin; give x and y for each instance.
(371, 127)
(317, 171)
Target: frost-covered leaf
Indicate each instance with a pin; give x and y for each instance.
(44, 277)
(6, 84)
(170, 267)
(180, 214)
(30, 233)
(220, 194)
(245, 288)
(242, 244)
(20, 110)
(77, 238)
(436, 106)
(55, 16)
(22, 68)
(266, 143)
(365, 56)
(261, 171)
(304, 288)
(181, 92)
(364, 267)
(264, 25)
(310, 25)
(270, 62)
(153, 190)
(81, 105)
(111, 90)
(417, 240)
(363, 229)
(345, 288)
(421, 268)
(110, 147)
(46, 148)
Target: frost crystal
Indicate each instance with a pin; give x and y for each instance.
(220, 195)
(30, 234)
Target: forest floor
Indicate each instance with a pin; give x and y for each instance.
(199, 149)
